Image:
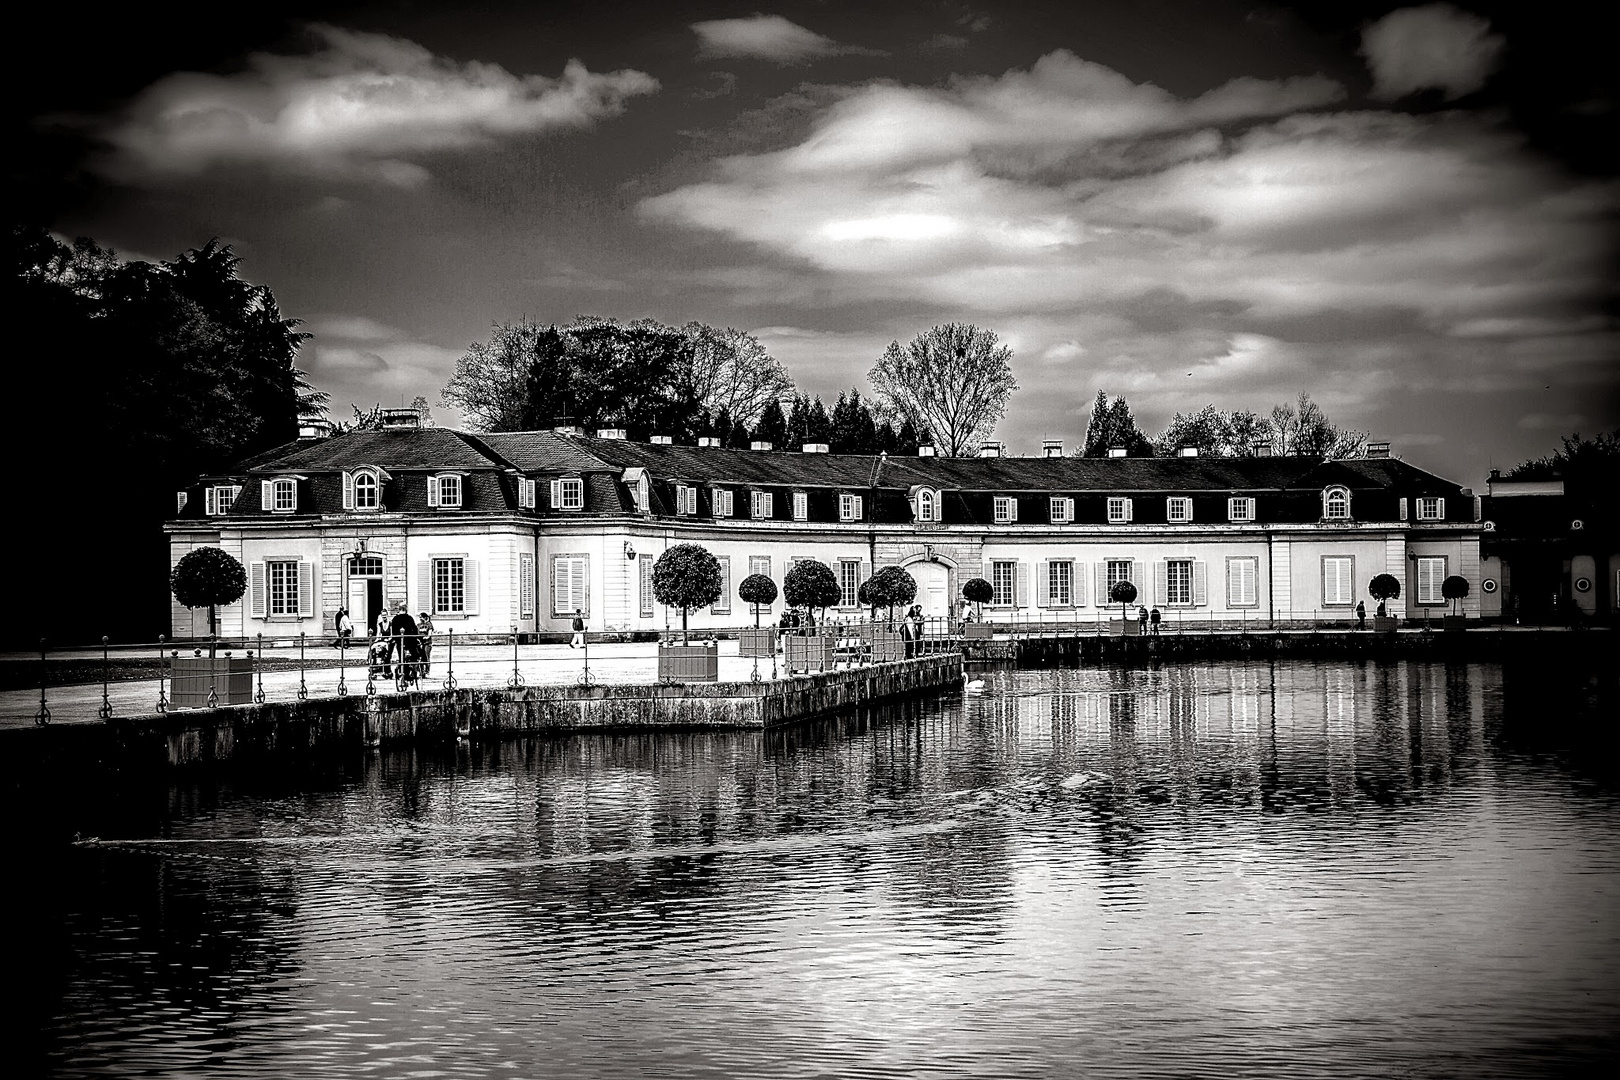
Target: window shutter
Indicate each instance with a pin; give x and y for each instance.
(1102, 582)
(1023, 585)
(525, 585)
(860, 512)
(210, 501)
(267, 496)
(1200, 584)
(1403, 508)
(1043, 583)
(722, 606)
(179, 502)
(1078, 584)
(559, 586)
(1161, 583)
(525, 494)
(1440, 508)
(581, 585)
(433, 490)
(306, 591)
(1130, 509)
(424, 587)
(469, 587)
(691, 500)
(256, 590)
(348, 490)
(1139, 579)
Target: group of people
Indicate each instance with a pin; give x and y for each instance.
(1148, 620)
(399, 642)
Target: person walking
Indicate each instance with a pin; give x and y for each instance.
(915, 618)
(578, 640)
(345, 627)
(1361, 615)
(424, 628)
(1153, 621)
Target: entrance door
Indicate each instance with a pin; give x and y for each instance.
(358, 604)
(365, 592)
(933, 588)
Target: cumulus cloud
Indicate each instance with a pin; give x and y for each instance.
(360, 104)
(1434, 47)
(767, 37)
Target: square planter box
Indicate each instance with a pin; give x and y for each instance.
(805, 653)
(760, 642)
(230, 676)
(1385, 624)
(977, 630)
(689, 663)
(1455, 623)
(887, 646)
(1127, 627)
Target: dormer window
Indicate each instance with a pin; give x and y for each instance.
(1431, 509)
(801, 506)
(1336, 504)
(1062, 510)
(1178, 509)
(849, 507)
(218, 499)
(1240, 509)
(568, 493)
(444, 491)
(720, 500)
(685, 499)
(927, 504)
(279, 496)
(362, 489)
(525, 493)
(1005, 509)
(1119, 510)
(762, 504)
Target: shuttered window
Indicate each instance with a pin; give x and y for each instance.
(1178, 509)
(1242, 582)
(685, 499)
(849, 582)
(1431, 571)
(1060, 584)
(1119, 510)
(570, 585)
(218, 500)
(801, 506)
(849, 507)
(449, 586)
(525, 585)
(1006, 509)
(282, 578)
(722, 606)
(1061, 510)
(1338, 580)
(720, 498)
(762, 504)
(1003, 583)
(1240, 509)
(647, 598)
(568, 494)
(366, 490)
(1431, 509)
(525, 493)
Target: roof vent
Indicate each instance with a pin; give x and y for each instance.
(990, 449)
(708, 440)
(815, 448)
(663, 440)
(610, 433)
(313, 427)
(568, 429)
(759, 444)
(1378, 449)
(1116, 451)
(400, 418)
(1262, 449)
(925, 450)
(1052, 448)
(1186, 451)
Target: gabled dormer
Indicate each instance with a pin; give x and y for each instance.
(927, 504)
(1335, 503)
(640, 485)
(363, 488)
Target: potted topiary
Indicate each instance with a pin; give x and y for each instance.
(1454, 588)
(809, 585)
(1123, 593)
(1384, 588)
(977, 592)
(687, 577)
(889, 588)
(209, 577)
(759, 591)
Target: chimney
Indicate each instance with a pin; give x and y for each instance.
(1052, 448)
(610, 433)
(401, 418)
(568, 429)
(1116, 451)
(662, 440)
(814, 448)
(1378, 449)
(708, 440)
(1186, 451)
(759, 444)
(990, 449)
(1262, 448)
(311, 428)
(925, 450)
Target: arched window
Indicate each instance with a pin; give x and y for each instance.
(926, 506)
(1336, 504)
(365, 490)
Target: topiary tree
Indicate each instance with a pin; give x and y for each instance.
(1454, 588)
(688, 577)
(890, 587)
(208, 577)
(810, 584)
(1384, 587)
(758, 590)
(978, 592)
(1122, 593)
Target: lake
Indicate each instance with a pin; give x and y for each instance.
(1253, 869)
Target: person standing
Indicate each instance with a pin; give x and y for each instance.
(1142, 619)
(578, 640)
(345, 626)
(1361, 615)
(1153, 621)
(424, 627)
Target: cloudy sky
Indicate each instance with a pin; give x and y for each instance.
(1408, 212)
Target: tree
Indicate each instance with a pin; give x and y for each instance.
(1305, 431)
(686, 576)
(738, 439)
(1583, 464)
(1384, 587)
(759, 591)
(890, 587)
(1215, 433)
(978, 592)
(208, 577)
(1454, 588)
(772, 426)
(810, 584)
(1122, 593)
(818, 426)
(731, 370)
(1111, 426)
(798, 424)
(953, 379)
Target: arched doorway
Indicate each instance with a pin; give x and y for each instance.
(933, 587)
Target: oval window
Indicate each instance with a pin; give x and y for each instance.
(1488, 585)
(1583, 584)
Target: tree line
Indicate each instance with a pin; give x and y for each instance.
(1301, 428)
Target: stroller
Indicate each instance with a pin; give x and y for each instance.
(379, 659)
(412, 663)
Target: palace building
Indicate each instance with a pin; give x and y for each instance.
(494, 531)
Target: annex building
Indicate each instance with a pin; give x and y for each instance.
(494, 531)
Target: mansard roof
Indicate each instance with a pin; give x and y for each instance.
(391, 448)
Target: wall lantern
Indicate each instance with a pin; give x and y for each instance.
(629, 552)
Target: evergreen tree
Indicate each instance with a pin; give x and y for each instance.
(739, 438)
(866, 436)
(721, 428)
(818, 425)
(772, 426)
(798, 424)
(1112, 425)
(842, 438)
(905, 441)
(885, 439)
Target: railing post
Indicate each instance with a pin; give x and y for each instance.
(343, 665)
(43, 716)
(163, 670)
(450, 659)
(258, 696)
(585, 678)
(105, 712)
(303, 690)
(516, 681)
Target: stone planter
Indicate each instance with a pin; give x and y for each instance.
(887, 646)
(807, 653)
(977, 630)
(1385, 624)
(1455, 623)
(689, 663)
(230, 676)
(760, 642)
